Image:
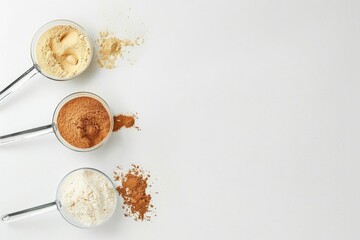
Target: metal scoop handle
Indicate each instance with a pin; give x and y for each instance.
(18, 83)
(18, 136)
(16, 216)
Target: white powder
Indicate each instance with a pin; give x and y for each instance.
(88, 197)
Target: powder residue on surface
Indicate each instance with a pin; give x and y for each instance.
(63, 51)
(88, 197)
(83, 122)
(112, 47)
(126, 121)
(133, 189)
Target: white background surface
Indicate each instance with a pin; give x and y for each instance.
(249, 113)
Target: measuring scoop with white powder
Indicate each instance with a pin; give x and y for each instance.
(86, 197)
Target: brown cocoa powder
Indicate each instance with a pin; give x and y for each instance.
(123, 121)
(83, 122)
(133, 190)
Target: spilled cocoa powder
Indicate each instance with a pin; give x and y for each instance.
(133, 189)
(83, 122)
(126, 121)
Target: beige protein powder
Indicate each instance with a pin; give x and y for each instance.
(112, 47)
(63, 52)
(88, 196)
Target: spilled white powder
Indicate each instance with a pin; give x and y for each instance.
(88, 197)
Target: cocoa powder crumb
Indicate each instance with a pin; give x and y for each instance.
(133, 189)
(126, 121)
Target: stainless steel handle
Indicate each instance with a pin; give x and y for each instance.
(16, 216)
(18, 83)
(18, 136)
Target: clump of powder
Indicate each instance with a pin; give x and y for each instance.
(133, 189)
(127, 121)
(88, 196)
(63, 52)
(83, 122)
(112, 47)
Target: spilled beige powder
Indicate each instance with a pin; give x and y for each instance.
(112, 47)
(63, 52)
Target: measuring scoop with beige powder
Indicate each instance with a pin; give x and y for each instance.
(60, 50)
(82, 122)
(85, 198)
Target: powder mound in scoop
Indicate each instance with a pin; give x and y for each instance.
(63, 52)
(83, 122)
(88, 197)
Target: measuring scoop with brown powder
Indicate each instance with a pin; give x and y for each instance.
(82, 122)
